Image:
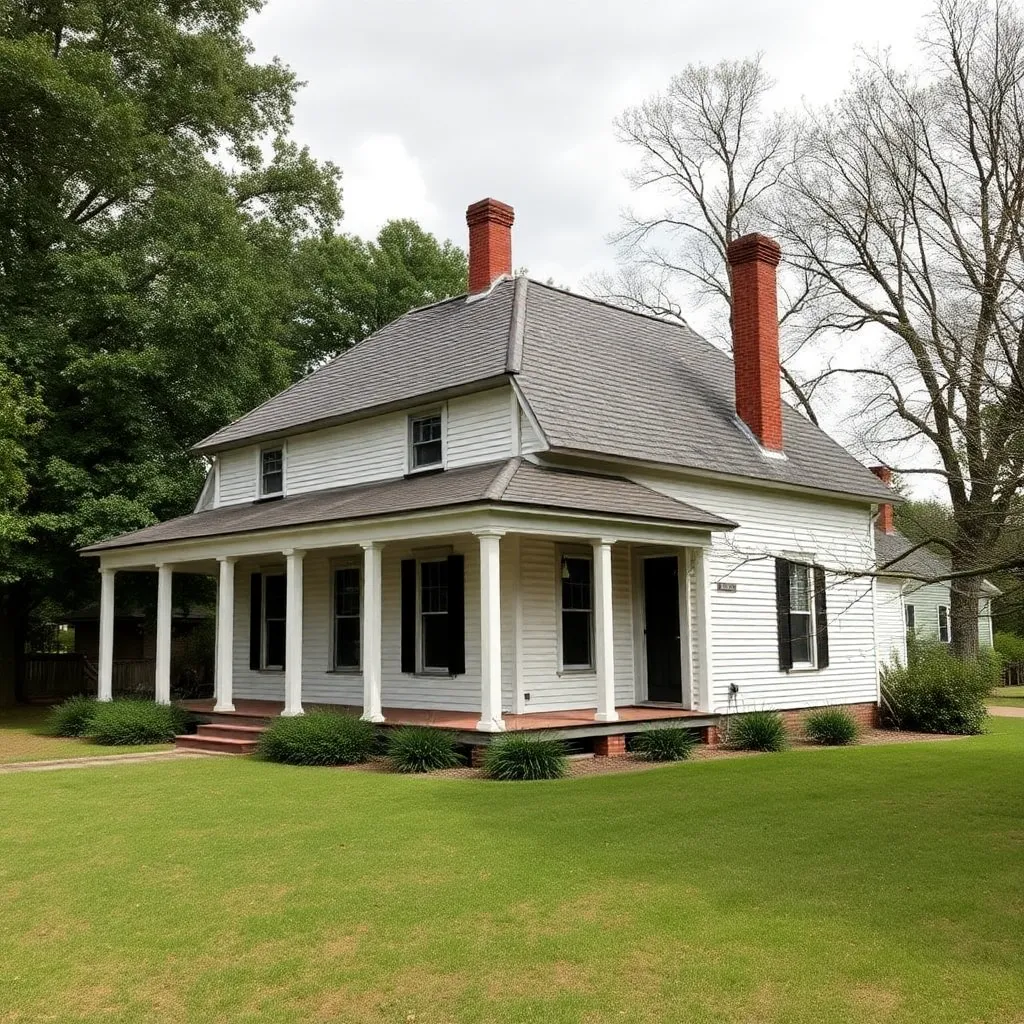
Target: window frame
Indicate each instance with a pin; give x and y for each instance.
(265, 574)
(910, 617)
(261, 475)
(939, 623)
(811, 613)
(336, 566)
(575, 554)
(437, 412)
(421, 662)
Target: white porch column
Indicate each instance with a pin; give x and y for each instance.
(106, 665)
(604, 637)
(225, 635)
(490, 632)
(293, 634)
(164, 585)
(702, 631)
(371, 632)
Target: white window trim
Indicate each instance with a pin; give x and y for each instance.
(333, 666)
(806, 666)
(588, 556)
(283, 448)
(938, 623)
(419, 414)
(421, 667)
(264, 574)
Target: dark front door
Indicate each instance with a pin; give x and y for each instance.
(661, 628)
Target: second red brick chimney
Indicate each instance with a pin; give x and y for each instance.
(755, 336)
(884, 522)
(490, 243)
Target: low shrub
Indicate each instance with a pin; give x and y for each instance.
(831, 727)
(318, 738)
(664, 744)
(937, 692)
(514, 757)
(758, 730)
(416, 748)
(130, 722)
(1009, 646)
(72, 717)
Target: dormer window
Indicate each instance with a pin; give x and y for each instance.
(426, 443)
(271, 472)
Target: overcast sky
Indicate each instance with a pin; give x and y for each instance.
(429, 105)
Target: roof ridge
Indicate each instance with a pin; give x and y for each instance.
(499, 484)
(517, 326)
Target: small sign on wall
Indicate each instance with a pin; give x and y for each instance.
(726, 588)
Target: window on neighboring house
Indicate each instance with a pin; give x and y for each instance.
(271, 472)
(909, 613)
(577, 597)
(274, 618)
(347, 621)
(434, 616)
(801, 614)
(943, 623)
(426, 447)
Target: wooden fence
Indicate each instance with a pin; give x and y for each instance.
(50, 678)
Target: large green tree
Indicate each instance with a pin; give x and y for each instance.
(168, 258)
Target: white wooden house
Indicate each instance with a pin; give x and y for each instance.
(523, 507)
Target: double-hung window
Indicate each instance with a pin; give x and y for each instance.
(577, 600)
(347, 620)
(426, 442)
(274, 617)
(434, 615)
(271, 472)
(944, 623)
(910, 614)
(801, 614)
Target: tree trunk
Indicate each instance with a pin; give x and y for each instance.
(963, 615)
(12, 644)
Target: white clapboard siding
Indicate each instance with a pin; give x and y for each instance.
(835, 534)
(238, 469)
(479, 428)
(985, 622)
(890, 616)
(926, 599)
(530, 440)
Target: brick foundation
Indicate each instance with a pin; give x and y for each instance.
(476, 756)
(610, 746)
(709, 735)
(865, 715)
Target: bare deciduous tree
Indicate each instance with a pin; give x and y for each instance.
(906, 208)
(711, 158)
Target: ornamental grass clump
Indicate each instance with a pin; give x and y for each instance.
(758, 730)
(664, 744)
(318, 738)
(130, 722)
(831, 727)
(417, 748)
(72, 717)
(520, 758)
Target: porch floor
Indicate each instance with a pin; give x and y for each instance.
(631, 717)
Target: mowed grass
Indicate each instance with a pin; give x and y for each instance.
(23, 737)
(1008, 697)
(877, 884)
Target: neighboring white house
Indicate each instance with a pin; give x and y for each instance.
(904, 601)
(522, 502)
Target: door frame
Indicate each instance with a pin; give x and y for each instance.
(682, 556)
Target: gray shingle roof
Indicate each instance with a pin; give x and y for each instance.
(600, 379)
(513, 482)
(891, 559)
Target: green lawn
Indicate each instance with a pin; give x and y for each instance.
(1008, 696)
(877, 884)
(23, 738)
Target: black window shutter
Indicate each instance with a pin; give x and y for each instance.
(408, 614)
(456, 615)
(820, 617)
(255, 620)
(782, 613)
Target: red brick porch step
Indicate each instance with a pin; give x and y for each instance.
(221, 739)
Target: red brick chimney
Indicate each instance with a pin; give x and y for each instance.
(884, 522)
(490, 243)
(755, 336)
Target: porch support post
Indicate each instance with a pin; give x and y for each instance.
(225, 635)
(604, 636)
(490, 632)
(702, 614)
(293, 634)
(164, 585)
(106, 665)
(372, 711)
